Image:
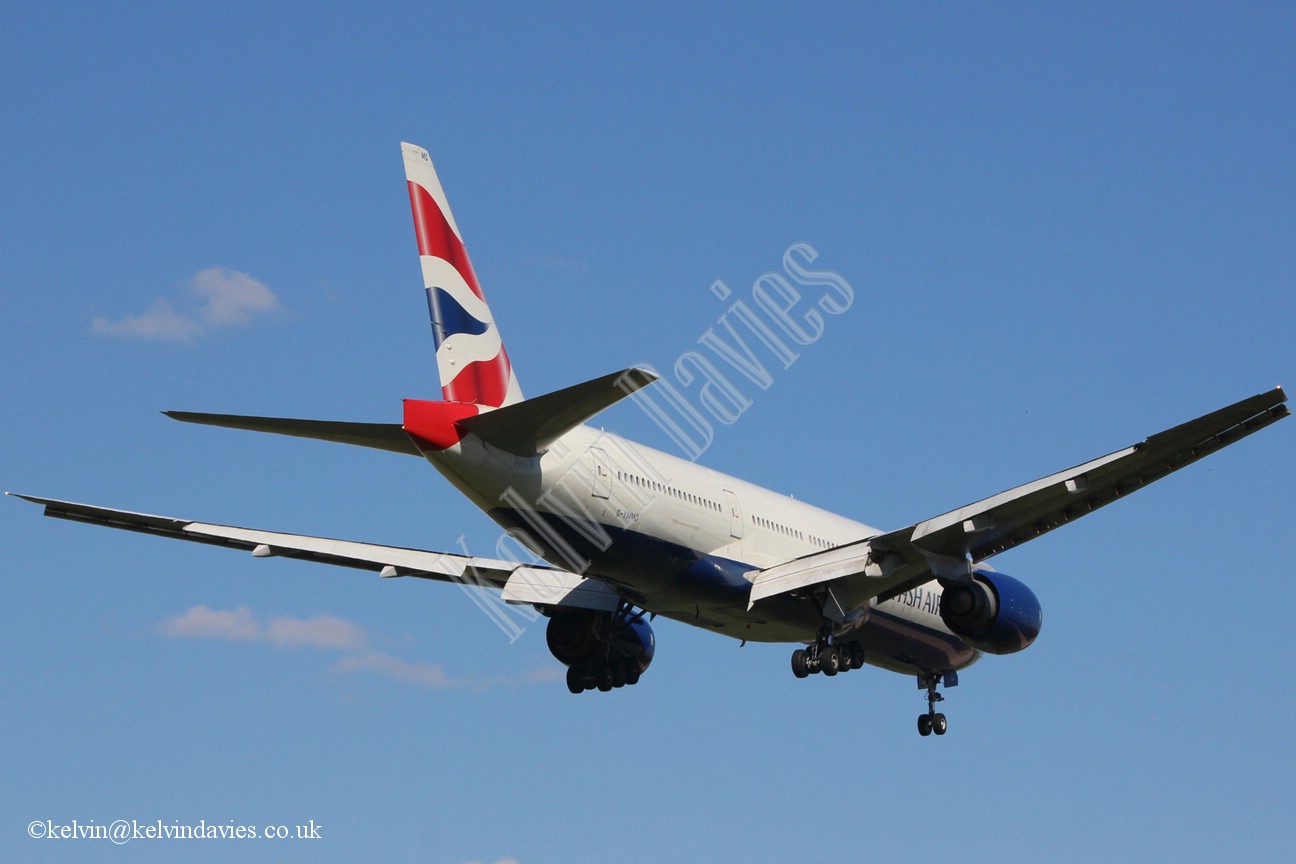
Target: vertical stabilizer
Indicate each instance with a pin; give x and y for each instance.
(471, 359)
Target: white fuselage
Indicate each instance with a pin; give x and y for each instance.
(682, 541)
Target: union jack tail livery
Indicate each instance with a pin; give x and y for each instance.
(471, 359)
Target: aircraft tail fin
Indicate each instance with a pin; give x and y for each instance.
(471, 360)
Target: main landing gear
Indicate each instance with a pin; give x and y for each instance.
(602, 651)
(827, 658)
(603, 674)
(934, 721)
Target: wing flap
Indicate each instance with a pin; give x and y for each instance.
(543, 586)
(837, 563)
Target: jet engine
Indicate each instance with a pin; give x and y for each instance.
(993, 612)
(601, 650)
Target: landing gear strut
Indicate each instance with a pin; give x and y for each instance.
(934, 721)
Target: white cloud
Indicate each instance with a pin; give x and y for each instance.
(203, 622)
(322, 631)
(433, 675)
(161, 322)
(392, 667)
(330, 633)
(214, 298)
(230, 297)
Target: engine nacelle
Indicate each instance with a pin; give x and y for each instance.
(993, 613)
(579, 636)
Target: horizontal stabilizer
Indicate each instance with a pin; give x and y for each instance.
(381, 436)
(529, 427)
(523, 428)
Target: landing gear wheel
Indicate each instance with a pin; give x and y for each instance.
(829, 660)
(856, 654)
(924, 724)
(800, 663)
(938, 724)
(604, 675)
(574, 682)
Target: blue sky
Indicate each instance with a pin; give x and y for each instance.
(1065, 230)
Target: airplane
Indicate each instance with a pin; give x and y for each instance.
(629, 533)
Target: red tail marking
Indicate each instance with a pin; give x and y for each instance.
(437, 238)
(434, 426)
(485, 382)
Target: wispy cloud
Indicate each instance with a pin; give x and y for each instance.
(328, 632)
(322, 631)
(213, 298)
(202, 622)
(393, 667)
(240, 625)
(161, 322)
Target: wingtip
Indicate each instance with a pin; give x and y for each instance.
(635, 378)
(32, 498)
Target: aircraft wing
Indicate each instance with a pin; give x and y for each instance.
(520, 583)
(945, 546)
